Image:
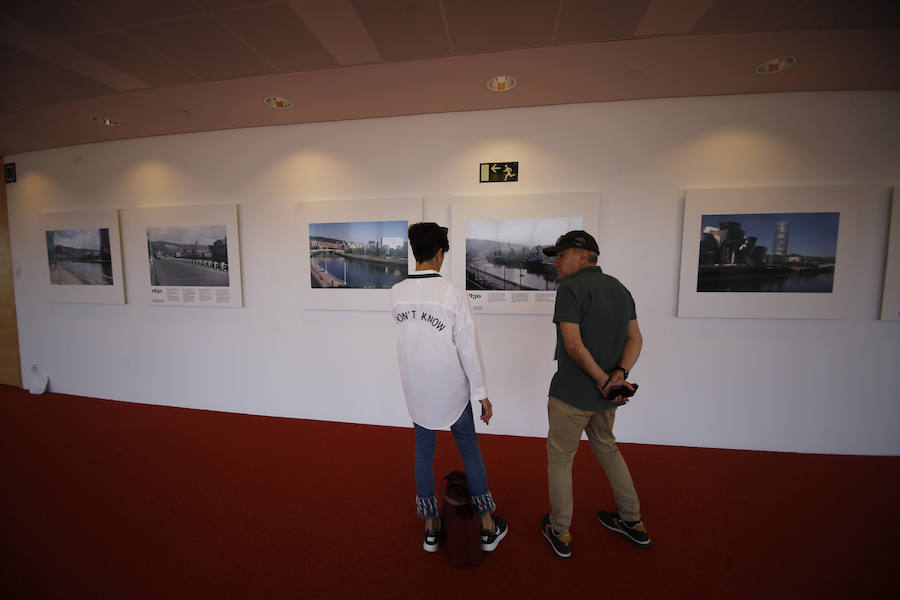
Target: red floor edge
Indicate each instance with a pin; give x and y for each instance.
(106, 499)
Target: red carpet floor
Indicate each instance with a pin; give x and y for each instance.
(104, 499)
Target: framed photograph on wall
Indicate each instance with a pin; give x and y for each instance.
(772, 252)
(84, 256)
(890, 301)
(496, 245)
(354, 251)
(190, 255)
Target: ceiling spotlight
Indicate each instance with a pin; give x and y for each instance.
(501, 83)
(105, 121)
(776, 65)
(278, 103)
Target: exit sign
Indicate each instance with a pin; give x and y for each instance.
(502, 172)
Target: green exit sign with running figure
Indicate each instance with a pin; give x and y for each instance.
(502, 172)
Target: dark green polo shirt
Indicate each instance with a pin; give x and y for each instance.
(603, 307)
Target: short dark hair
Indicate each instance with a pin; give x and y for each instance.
(426, 239)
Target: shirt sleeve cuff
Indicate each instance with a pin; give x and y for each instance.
(479, 393)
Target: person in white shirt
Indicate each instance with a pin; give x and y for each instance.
(441, 372)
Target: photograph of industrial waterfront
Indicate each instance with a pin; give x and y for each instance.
(506, 254)
(194, 256)
(79, 257)
(774, 252)
(364, 255)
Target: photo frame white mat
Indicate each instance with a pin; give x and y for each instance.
(194, 252)
(83, 280)
(562, 207)
(844, 200)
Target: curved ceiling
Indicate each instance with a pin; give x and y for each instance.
(175, 66)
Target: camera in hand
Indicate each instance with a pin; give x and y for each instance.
(621, 390)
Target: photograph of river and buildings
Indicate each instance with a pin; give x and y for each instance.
(783, 252)
(366, 255)
(194, 256)
(506, 254)
(79, 257)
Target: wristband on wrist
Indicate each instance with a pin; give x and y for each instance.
(621, 368)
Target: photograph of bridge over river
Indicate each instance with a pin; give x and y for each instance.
(360, 255)
(79, 257)
(192, 256)
(772, 252)
(506, 254)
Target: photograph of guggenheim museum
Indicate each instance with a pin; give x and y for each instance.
(195, 256)
(782, 252)
(364, 255)
(79, 257)
(507, 254)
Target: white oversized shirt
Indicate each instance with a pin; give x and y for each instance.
(437, 348)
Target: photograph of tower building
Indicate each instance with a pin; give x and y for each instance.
(79, 257)
(362, 255)
(195, 256)
(507, 254)
(774, 252)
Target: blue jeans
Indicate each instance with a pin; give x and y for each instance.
(476, 474)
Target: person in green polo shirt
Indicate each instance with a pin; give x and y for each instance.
(597, 343)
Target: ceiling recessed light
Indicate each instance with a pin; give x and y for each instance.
(501, 83)
(776, 65)
(278, 103)
(105, 121)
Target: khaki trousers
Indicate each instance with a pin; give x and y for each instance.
(566, 425)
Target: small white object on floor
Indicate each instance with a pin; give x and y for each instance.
(38, 381)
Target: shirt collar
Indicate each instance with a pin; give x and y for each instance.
(423, 274)
(591, 269)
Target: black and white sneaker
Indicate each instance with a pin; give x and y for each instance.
(633, 530)
(490, 539)
(432, 538)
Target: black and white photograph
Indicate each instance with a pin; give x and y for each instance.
(358, 255)
(192, 253)
(188, 256)
(771, 252)
(503, 267)
(507, 254)
(79, 256)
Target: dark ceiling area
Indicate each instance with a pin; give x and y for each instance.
(174, 66)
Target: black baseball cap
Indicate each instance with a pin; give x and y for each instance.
(573, 239)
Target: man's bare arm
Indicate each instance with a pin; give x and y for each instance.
(571, 333)
(634, 341)
(576, 349)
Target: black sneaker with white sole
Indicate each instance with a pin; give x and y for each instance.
(560, 542)
(432, 538)
(633, 530)
(490, 539)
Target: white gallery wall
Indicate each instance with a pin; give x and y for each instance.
(772, 384)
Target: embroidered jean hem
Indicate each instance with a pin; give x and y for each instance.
(484, 503)
(427, 508)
